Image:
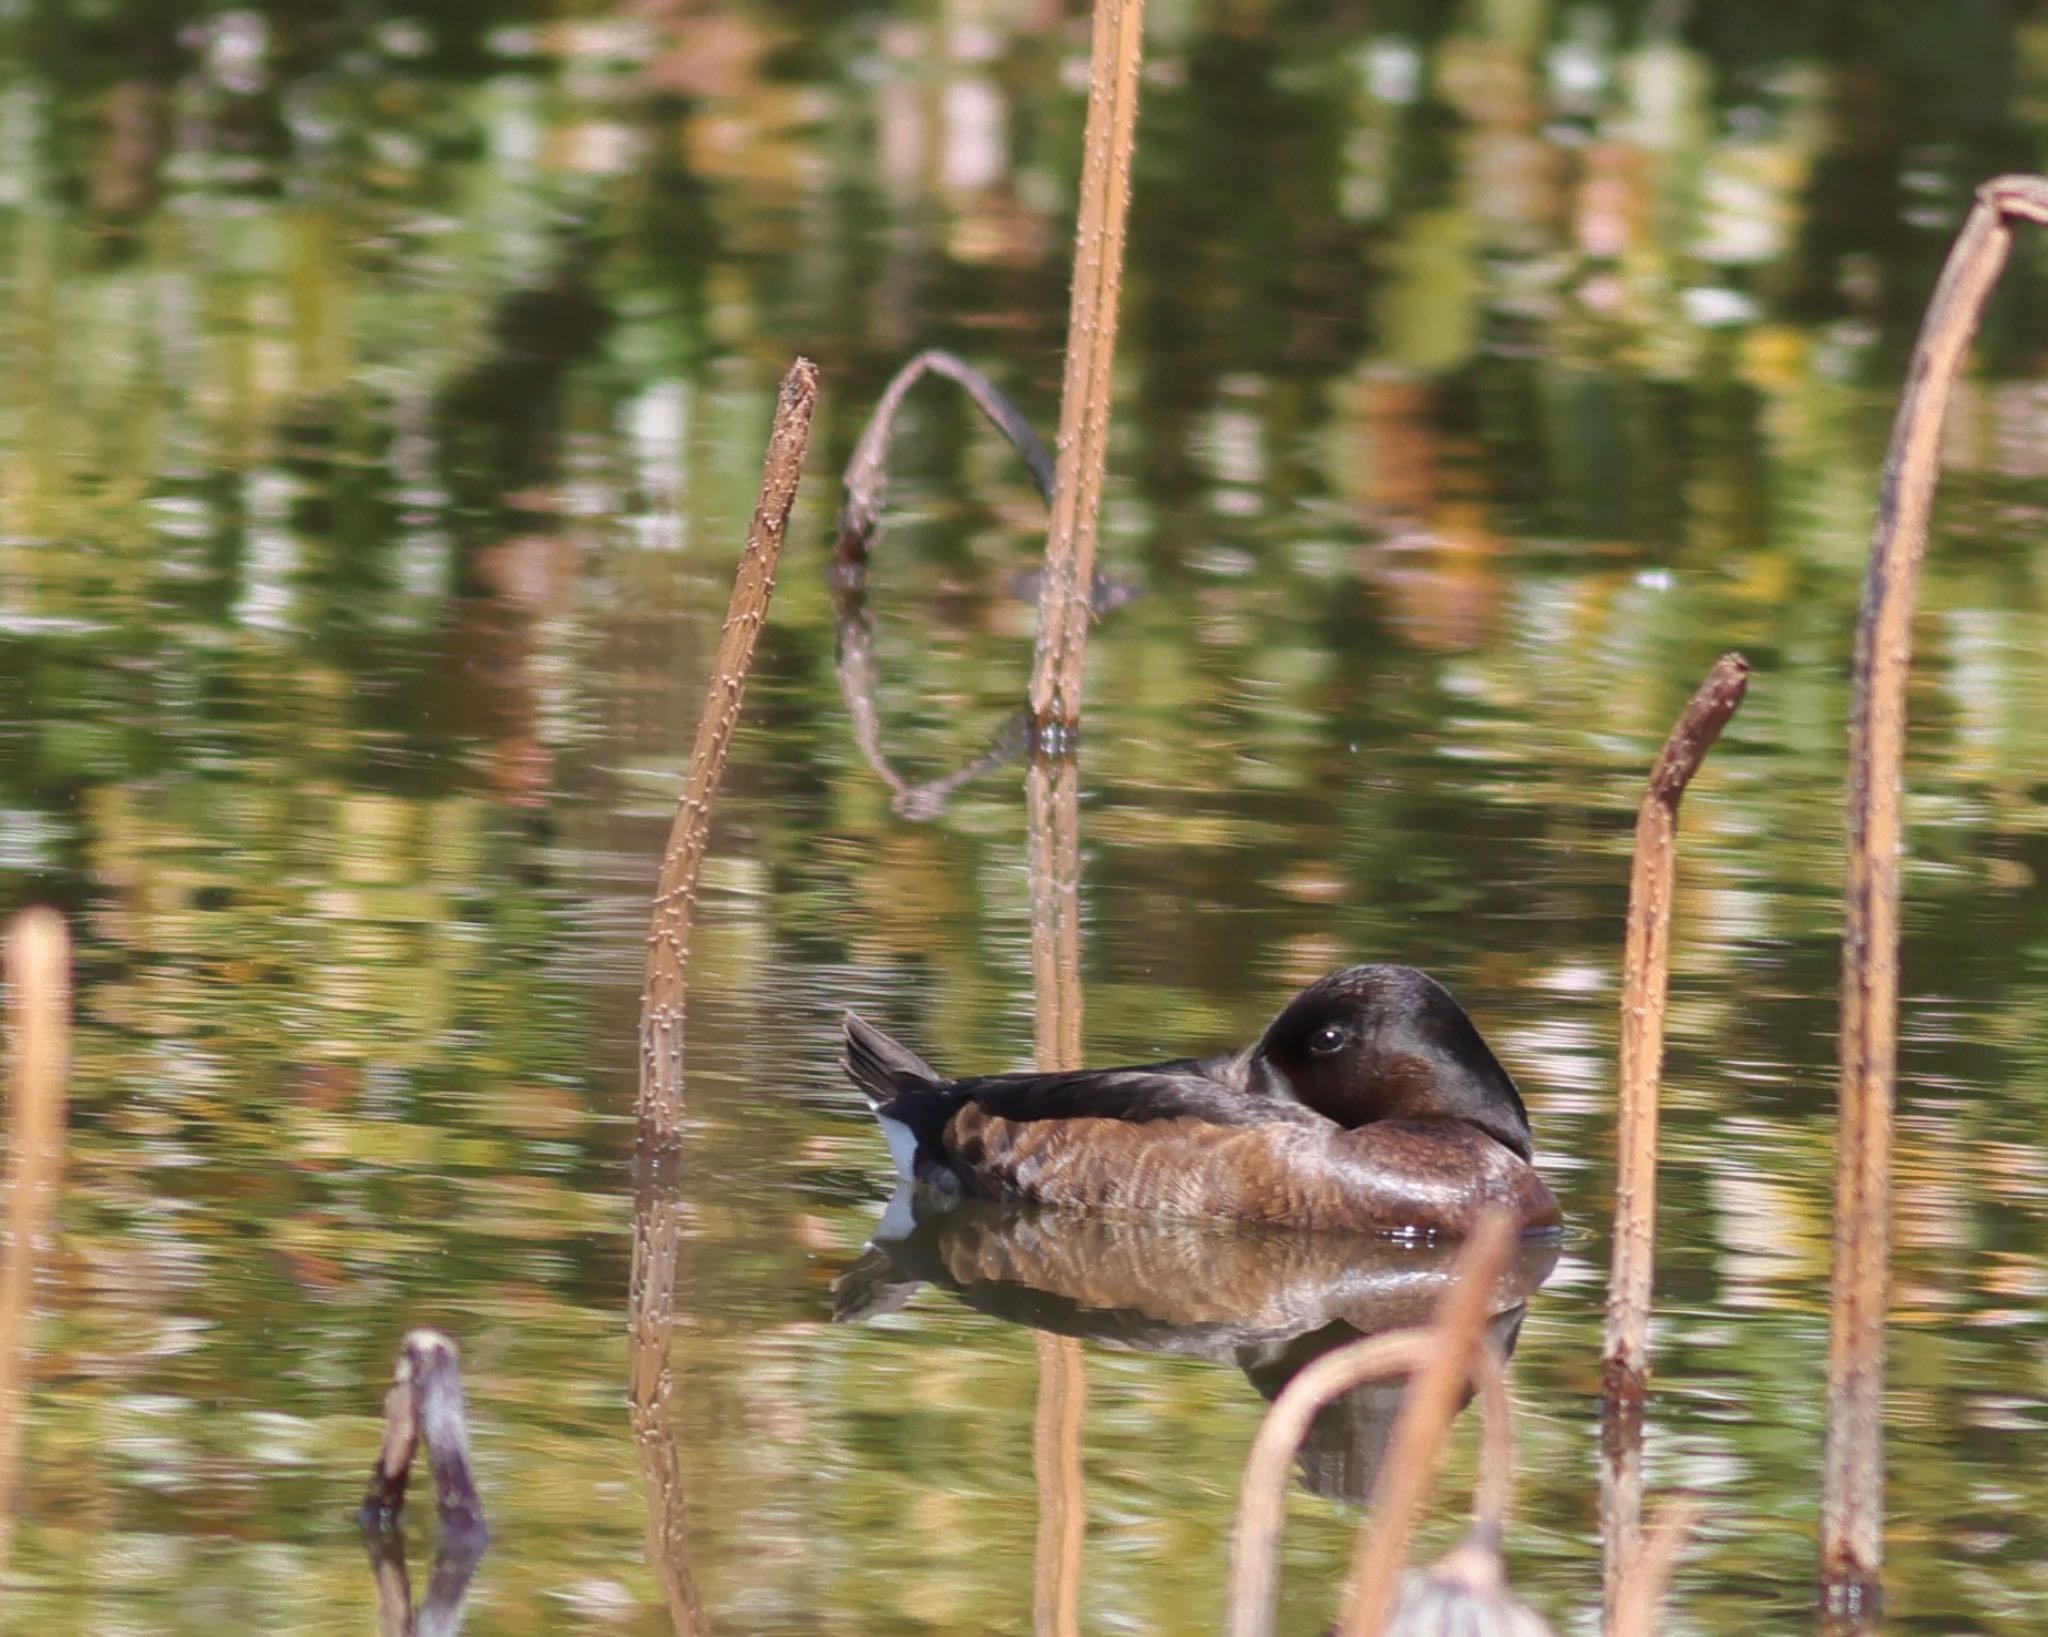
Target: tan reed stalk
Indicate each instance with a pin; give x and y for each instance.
(1646, 962)
(660, 1108)
(657, 1209)
(1416, 1444)
(1262, 1496)
(1052, 795)
(1107, 146)
(1062, 1500)
(38, 974)
(1648, 1575)
(1052, 786)
(1852, 1473)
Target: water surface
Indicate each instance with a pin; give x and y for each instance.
(381, 402)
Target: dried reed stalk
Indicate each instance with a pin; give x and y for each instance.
(1108, 144)
(1262, 1496)
(657, 1210)
(660, 1107)
(1416, 1443)
(1062, 1501)
(1852, 1483)
(1649, 1571)
(38, 973)
(1646, 962)
(1053, 814)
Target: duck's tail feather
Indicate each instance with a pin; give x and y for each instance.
(911, 1099)
(884, 1069)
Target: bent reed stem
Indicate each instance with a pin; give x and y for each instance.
(1415, 1447)
(1262, 1494)
(1852, 1470)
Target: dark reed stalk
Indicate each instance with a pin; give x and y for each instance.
(660, 1107)
(1107, 146)
(1415, 1446)
(866, 481)
(1649, 1571)
(424, 1405)
(38, 974)
(657, 1205)
(866, 486)
(1852, 1476)
(1646, 963)
(860, 681)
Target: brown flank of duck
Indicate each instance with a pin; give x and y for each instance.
(1371, 1104)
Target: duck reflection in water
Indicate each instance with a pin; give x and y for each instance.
(1268, 1301)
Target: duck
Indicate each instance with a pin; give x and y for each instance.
(1371, 1104)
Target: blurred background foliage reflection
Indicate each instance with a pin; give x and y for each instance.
(382, 389)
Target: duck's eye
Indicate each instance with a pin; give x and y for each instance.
(1329, 1038)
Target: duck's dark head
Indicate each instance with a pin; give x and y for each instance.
(1389, 1043)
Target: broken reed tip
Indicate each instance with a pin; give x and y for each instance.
(424, 1404)
(424, 1344)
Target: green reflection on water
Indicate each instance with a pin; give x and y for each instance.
(380, 408)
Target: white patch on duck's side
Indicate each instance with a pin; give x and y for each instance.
(902, 1146)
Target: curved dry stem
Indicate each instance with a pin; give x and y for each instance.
(1852, 1491)
(1416, 1445)
(867, 470)
(1262, 1496)
(424, 1404)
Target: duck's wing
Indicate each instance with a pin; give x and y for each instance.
(1229, 1089)
(916, 1105)
(1212, 1089)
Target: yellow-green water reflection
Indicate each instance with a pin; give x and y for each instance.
(381, 397)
